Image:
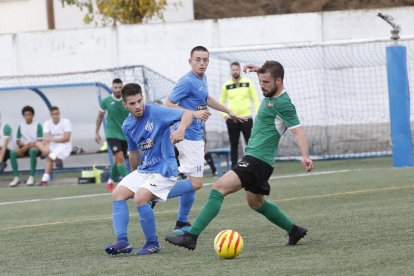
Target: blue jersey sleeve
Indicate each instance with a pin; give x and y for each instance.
(168, 115)
(131, 144)
(180, 91)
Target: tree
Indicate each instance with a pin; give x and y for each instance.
(123, 11)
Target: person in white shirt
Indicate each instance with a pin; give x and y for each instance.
(56, 144)
(28, 133)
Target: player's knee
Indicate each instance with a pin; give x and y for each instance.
(118, 194)
(197, 183)
(140, 200)
(255, 203)
(221, 187)
(32, 152)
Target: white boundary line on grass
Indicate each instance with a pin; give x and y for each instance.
(205, 184)
(227, 206)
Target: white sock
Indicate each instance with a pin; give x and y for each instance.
(45, 177)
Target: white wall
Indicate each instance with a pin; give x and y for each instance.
(31, 15)
(165, 47)
(22, 15)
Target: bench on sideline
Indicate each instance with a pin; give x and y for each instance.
(219, 153)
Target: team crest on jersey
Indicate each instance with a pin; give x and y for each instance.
(148, 144)
(270, 104)
(149, 126)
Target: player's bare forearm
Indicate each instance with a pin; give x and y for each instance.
(64, 139)
(134, 159)
(178, 134)
(213, 103)
(99, 121)
(173, 105)
(304, 147)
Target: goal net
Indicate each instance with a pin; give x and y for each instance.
(339, 89)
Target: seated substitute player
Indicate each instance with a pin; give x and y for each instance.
(147, 130)
(6, 143)
(276, 114)
(56, 145)
(28, 133)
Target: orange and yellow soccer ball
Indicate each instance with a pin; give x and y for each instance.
(228, 244)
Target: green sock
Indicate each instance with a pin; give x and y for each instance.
(114, 173)
(122, 170)
(273, 213)
(33, 161)
(13, 161)
(208, 213)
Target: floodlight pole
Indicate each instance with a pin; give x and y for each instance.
(399, 99)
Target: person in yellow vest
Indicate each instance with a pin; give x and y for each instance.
(240, 95)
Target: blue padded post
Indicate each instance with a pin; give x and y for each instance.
(399, 99)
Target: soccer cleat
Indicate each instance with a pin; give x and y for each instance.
(150, 247)
(185, 240)
(181, 227)
(297, 233)
(110, 186)
(43, 183)
(30, 181)
(118, 247)
(16, 181)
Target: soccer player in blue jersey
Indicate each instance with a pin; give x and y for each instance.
(147, 130)
(191, 93)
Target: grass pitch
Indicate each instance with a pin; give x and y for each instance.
(359, 214)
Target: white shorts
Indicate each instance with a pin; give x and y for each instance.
(157, 184)
(191, 157)
(59, 150)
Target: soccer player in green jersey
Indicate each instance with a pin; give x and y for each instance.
(116, 114)
(276, 114)
(28, 133)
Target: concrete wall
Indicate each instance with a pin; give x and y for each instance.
(23, 15)
(165, 47)
(31, 15)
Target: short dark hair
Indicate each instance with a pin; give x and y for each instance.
(274, 68)
(198, 48)
(28, 108)
(131, 89)
(117, 81)
(235, 63)
(53, 108)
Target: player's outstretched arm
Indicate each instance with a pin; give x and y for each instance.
(178, 134)
(304, 148)
(213, 103)
(199, 114)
